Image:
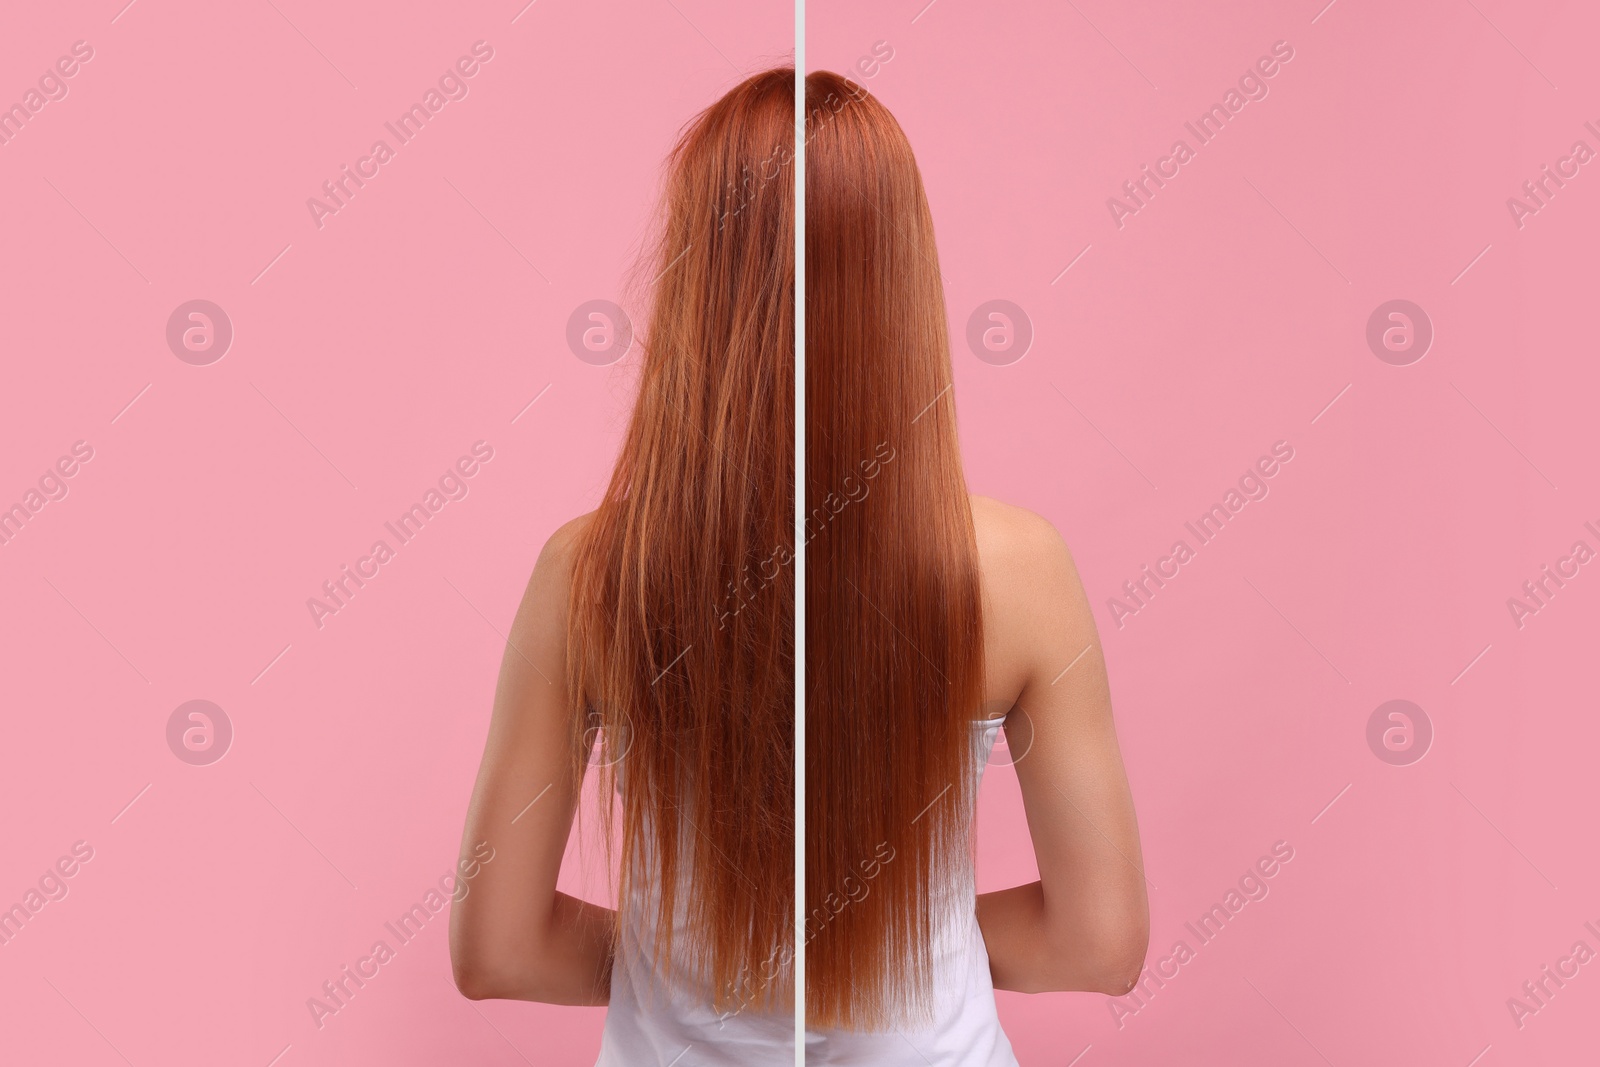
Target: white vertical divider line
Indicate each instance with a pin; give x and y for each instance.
(799, 532)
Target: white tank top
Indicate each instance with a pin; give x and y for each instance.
(656, 1017)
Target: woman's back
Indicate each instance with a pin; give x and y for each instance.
(661, 1010)
(963, 1027)
(659, 1007)
(665, 620)
(927, 609)
(1045, 686)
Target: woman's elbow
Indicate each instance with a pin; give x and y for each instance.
(472, 985)
(1108, 961)
(530, 975)
(475, 980)
(480, 972)
(1120, 963)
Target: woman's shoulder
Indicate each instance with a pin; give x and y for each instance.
(1033, 597)
(562, 544)
(1013, 540)
(546, 592)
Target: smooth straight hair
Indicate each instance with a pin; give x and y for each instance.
(681, 626)
(894, 629)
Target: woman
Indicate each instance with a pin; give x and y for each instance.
(932, 620)
(664, 621)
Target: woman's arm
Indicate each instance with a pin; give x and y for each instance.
(1084, 925)
(513, 935)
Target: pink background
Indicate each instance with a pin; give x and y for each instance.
(1213, 324)
(370, 354)
(369, 357)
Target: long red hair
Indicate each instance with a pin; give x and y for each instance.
(681, 629)
(894, 632)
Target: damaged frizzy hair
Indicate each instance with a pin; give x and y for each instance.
(894, 629)
(681, 625)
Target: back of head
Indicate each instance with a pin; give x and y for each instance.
(894, 639)
(680, 631)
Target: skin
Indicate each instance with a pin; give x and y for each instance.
(1085, 924)
(515, 936)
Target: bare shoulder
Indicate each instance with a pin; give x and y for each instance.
(1018, 545)
(561, 546)
(545, 599)
(1034, 603)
